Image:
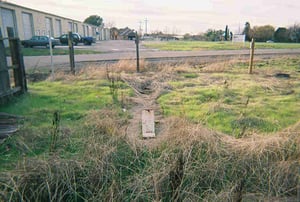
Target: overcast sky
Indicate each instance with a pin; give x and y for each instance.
(175, 16)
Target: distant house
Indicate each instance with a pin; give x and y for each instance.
(122, 34)
(126, 33)
(27, 22)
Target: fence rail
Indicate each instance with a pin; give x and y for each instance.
(12, 78)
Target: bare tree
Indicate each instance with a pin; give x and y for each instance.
(294, 33)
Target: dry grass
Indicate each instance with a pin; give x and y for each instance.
(175, 68)
(273, 161)
(223, 66)
(223, 167)
(188, 163)
(87, 73)
(107, 122)
(128, 66)
(216, 67)
(191, 163)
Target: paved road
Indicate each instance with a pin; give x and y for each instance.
(118, 50)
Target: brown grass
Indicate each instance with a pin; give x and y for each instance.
(188, 163)
(128, 66)
(223, 66)
(271, 161)
(87, 73)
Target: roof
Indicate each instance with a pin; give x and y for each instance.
(3, 3)
(125, 31)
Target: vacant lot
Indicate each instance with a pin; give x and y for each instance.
(222, 134)
(202, 45)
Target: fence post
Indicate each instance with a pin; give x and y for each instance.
(51, 55)
(137, 52)
(71, 52)
(252, 45)
(4, 76)
(17, 60)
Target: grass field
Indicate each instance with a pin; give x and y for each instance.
(226, 98)
(203, 45)
(74, 98)
(225, 135)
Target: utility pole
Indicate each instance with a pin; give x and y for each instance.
(146, 24)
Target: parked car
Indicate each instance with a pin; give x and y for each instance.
(77, 38)
(39, 41)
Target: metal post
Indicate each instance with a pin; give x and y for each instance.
(71, 52)
(252, 45)
(137, 52)
(51, 55)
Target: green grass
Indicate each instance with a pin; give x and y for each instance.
(69, 98)
(56, 51)
(204, 45)
(259, 102)
(74, 100)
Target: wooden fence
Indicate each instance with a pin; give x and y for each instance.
(12, 78)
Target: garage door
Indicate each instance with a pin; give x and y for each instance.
(70, 26)
(27, 25)
(8, 20)
(57, 28)
(49, 30)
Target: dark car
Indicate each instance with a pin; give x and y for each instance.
(39, 41)
(76, 39)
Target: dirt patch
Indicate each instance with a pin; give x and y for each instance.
(147, 87)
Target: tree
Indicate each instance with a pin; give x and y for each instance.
(226, 33)
(231, 36)
(94, 20)
(263, 33)
(281, 35)
(247, 31)
(187, 36)
(214, 35)
(294, 33)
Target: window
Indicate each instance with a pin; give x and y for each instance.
(35, 38)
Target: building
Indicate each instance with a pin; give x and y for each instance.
(122, 34)
(27, 22)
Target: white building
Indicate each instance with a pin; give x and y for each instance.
(27, 22)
